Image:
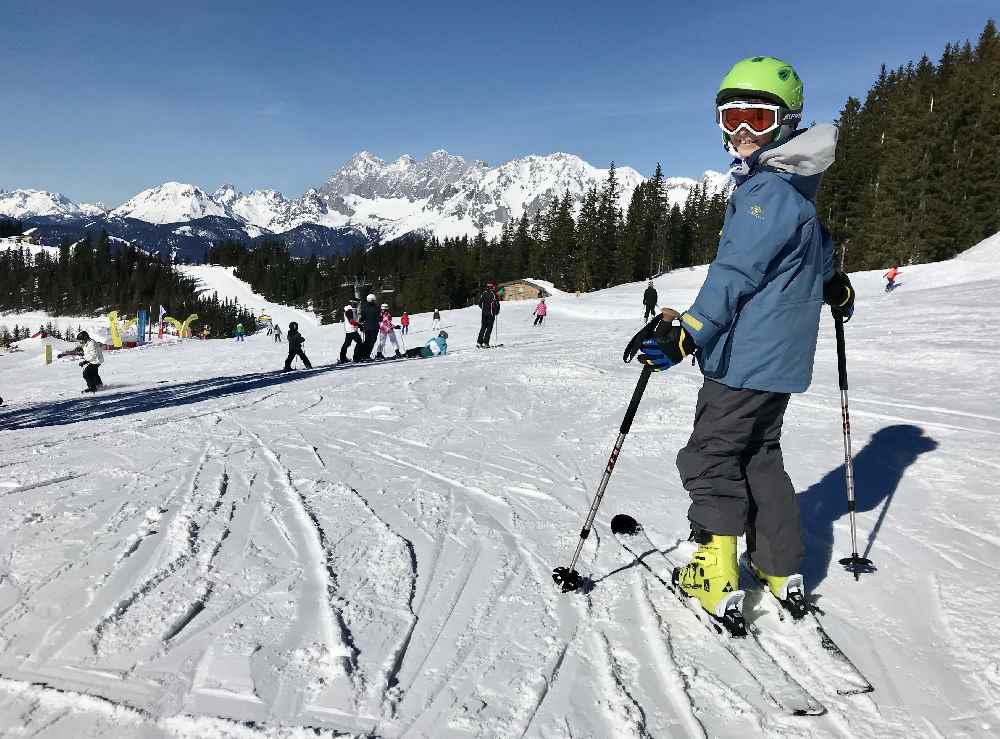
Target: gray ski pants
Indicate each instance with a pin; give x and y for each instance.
(733, 469)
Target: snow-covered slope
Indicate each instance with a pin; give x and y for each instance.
(214, 549)
(221, 281)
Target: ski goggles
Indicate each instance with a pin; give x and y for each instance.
(758, 118)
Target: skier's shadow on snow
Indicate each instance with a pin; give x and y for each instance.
(100, 406)
(878, 468)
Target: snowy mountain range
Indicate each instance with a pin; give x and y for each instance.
(365, 201)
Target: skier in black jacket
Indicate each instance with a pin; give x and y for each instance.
(295, 342)
(370, 317)
(489, 304)
(649, 300)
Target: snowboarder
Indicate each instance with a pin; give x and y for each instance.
(890, 277)
(352, 335)
(93, 357)
(239, 332)
(370, 319)
(753, 328)
(489, 304)
(539, 313)
(436, 347)
(404, 322)
(295, 342)
(277, 333)
(436, 320)
(386, 330)
(649, 301)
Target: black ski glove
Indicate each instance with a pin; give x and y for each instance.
(669, 345)
(83, 363)
(838, 293)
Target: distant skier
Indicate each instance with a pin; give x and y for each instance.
(436, 320)
(649, 301)
(539, 313)
(386, 331)
(890, 277)
(404, 322)
(753, 328)
(205, 333)
(277, 333)
(352, 334)
(489, 304)
(93, 358)
(239, 332)
(295, 342)
(436, 347)
(371, 316)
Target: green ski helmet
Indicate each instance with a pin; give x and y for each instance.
(767, 78)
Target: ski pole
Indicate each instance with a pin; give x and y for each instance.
(568, 578)
(855, 563)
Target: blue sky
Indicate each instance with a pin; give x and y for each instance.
(105, 99)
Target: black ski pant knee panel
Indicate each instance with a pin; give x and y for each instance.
(301, 355)
(485, 329)
(733, 469)
(91, 375)
(539, 319)
(349, 339)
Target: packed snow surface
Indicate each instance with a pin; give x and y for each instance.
(209, 548)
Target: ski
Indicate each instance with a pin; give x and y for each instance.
(776, 683)
(807, 634)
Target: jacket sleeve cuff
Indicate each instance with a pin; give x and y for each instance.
(700, 329)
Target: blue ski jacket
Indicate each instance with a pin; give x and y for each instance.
(756, 317)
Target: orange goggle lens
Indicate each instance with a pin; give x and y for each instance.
(759, 120)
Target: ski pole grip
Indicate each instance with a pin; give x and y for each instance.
(838, 323)
(633, 406)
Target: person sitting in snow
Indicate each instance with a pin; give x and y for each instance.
(436, 347)
(295, 342)
(93, 358)
(386, 330)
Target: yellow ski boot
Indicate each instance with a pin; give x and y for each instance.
(713, 578)
(789, 590)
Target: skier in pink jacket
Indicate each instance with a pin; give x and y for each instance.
(386, 329)
(539, 313)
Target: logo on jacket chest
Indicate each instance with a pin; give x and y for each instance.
(757, 212)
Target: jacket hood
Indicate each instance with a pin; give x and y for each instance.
(801, 160)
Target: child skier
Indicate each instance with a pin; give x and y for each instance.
(352, 335)
(239, 332)
(539, 313)
(277, 334)
(436, 320)
(295, 342)
(404, 321)
(93, 358)
(890, 277)
(386, 330)
(436, 347)
(753, 328)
